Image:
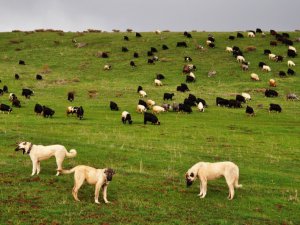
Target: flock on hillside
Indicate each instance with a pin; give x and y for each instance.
(143, 106)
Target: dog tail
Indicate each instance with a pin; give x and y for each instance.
(71, 154)
(67, 171)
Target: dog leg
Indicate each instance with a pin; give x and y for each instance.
(204, 188)
(34, 167)
(97, 190)
(104, 191)
(78, 183)
(201, 191)
(231, 192)
(38, 167)
(59, 161)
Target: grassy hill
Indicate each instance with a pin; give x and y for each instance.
(150, 161)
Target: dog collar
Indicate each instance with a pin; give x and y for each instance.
(30, 147)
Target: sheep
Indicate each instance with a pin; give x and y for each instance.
(208, 42)
(192, 75)
(229, 49)
(150, 103)
(292, 96)
(157, 82)
(272, 56)
(141, 109)
(254, 76)
(142, 93)
(158, 109)
(246, 96)
(251, 34)
(292, 48)
(200, 107)
(126, 117)
(266, 68)
(244, 67)
(240, 58)
(107, 67)
(272, 83)
(157, 32)
(290, 63)
(71, 110)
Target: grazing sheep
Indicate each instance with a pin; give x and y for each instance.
(229, 49)
(157, 82)
(142, 94)
(16, 102)
(12, 96)
(200, 107)
(261, 64)
(271, 93)
(239, 35)
(275, 107)
(160, 76)
(240, 98)
(17, 77)
(272, 83)
(142, 102)
(272, 56)
(175, 107)
(38, 77)
(267, 52)
(71, 110)
(279, 58)
(107, 67)
(158, 109)
(292, 48)
(246, 96)
(244, 67)
(80, 112)
(166, 106)
(251, 34)
(139, 88)
(38, 109)
(168, 96)
(135, 55)
(151, 118)
(266, 68)
(291, 53)
(157, 32)
(126, 117)
(165, 47)
(113, 106)
(290, 63)
(282, 74)
(249, 111)
(290, 72)
(141, 109)
(150, 103)
(240, 59)
(254, 76)
(292, 96)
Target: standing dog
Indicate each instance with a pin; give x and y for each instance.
(38, 153)
(98, 177)
(209, 171)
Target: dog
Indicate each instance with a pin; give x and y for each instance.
(38, 153)
(209, 171)
(98, 177)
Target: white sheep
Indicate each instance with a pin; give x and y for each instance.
(157, 32)
(292, 48)
(266, 68)
(229, 49)
(272, 83)
(246, 96)
(254, 76)
(158, 109)
(192, 75)
(150, 103)
(107, 67)
(208, 42)
(158, 82)
(142, 93)
(240, 59)
(272, 56)
(141, 109)
(200, 107)
(291, 63)
(251, 34)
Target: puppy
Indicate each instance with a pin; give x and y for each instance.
(209, 171)
(38, 153)
(98, 177)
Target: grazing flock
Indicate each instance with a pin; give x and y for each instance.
(188, 70)
(150, 109)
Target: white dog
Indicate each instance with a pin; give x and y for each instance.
(38, 153)
(98, 177)
(209, 171)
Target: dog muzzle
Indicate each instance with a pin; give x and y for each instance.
(188, 183)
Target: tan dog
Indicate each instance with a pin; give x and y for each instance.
(38, 153)
(98, 177)
(209, 171)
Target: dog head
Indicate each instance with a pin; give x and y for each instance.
(24, 146)
(190, 177)
(109, 173)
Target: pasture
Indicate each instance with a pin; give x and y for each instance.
(150, 161)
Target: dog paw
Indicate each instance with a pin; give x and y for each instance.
(97, 202)
(107, 202)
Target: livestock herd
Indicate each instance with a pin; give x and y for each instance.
(188, 70)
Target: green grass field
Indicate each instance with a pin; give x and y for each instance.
(150, 161)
